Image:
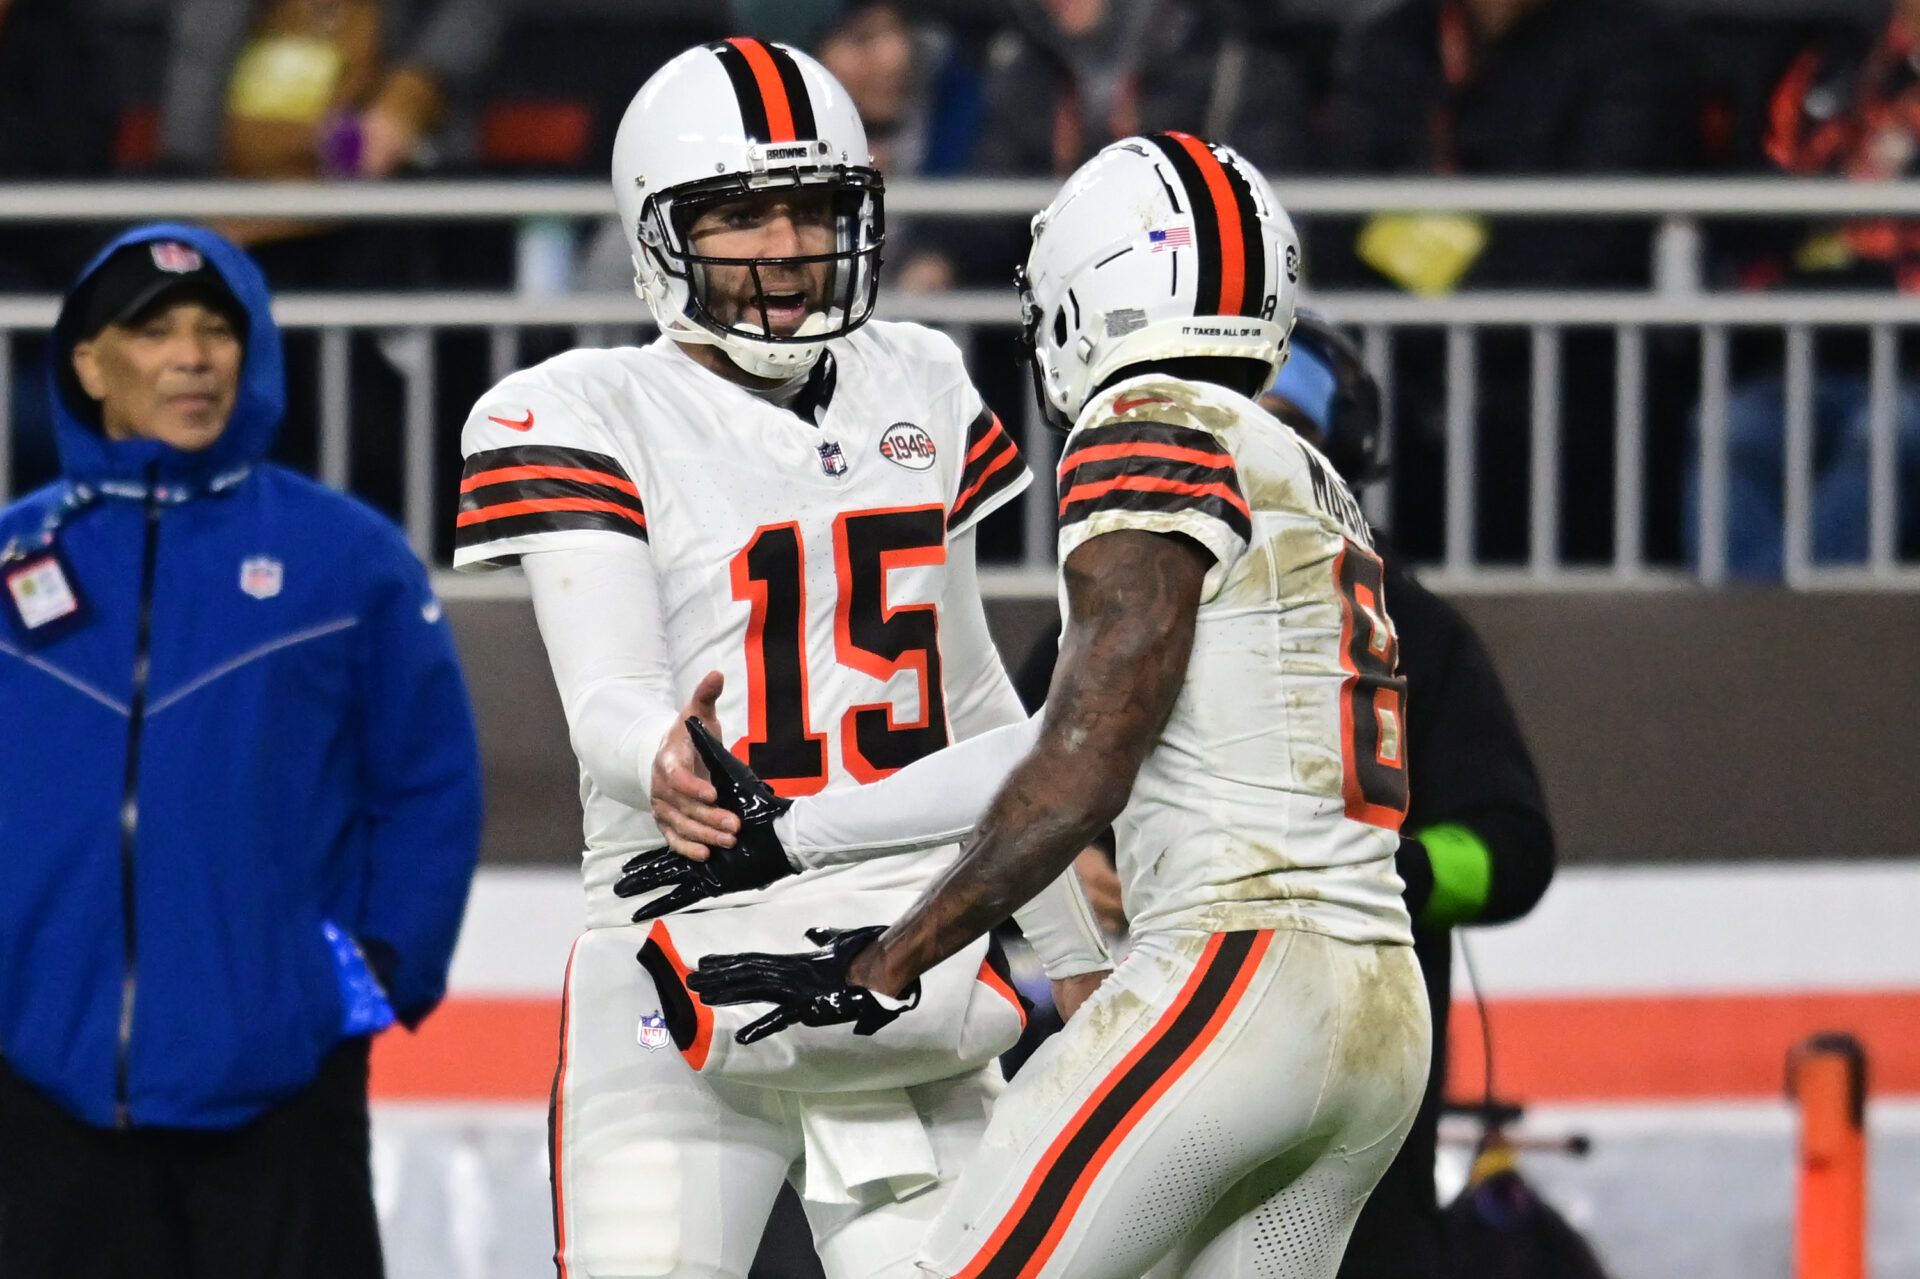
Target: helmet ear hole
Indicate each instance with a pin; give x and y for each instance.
(1060, 326)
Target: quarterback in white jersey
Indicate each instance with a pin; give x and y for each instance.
(1227, 699)
(784, 493)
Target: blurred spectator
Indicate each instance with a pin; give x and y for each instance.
(315, 88)
(57, 118)
(309, 88)
(242, 803)
(919, 100)
(916, 94)
(1070, 76)
(1511, 88)
(294, 89)
(1848, 105)
(1073, 75)
(1505, 88)
(869, 49)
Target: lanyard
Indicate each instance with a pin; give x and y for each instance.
(80, 496)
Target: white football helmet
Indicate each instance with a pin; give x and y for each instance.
(1158, 248)
(729, 119)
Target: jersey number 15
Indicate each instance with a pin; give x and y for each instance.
(769, 575)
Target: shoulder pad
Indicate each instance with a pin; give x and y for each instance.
(1169, 401)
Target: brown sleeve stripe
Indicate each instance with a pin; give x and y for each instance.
(1032, 1229)
(992, 464)
(1168, 436)
(984, 434)
(572, 474)
(1151, 466)
(501, 527)
(1096, 478)
(1157, 496)
(538, 489)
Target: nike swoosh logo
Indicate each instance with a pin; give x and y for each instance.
(524, 424)
(1121, 405)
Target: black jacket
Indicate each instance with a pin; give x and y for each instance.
(1469, 766)
(1574, 87)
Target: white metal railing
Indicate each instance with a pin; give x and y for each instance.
(1678, 300)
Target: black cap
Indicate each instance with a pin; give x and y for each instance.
(139, 276)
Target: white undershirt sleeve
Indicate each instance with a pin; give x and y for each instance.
(600, 618)
(938, 800)
(932, 801)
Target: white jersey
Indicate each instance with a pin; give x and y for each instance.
(1275, 792)
(799, 550)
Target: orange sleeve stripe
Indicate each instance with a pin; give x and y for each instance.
(1171, 452)
(987, 437)
(537, 505)
(772, 92)
(998, 464)
(508, 474)
(1151, 484)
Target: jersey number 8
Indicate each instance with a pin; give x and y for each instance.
(1373, 699)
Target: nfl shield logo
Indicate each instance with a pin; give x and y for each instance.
(171, 255)
(261, 576)
(832, 460)
(653, 1031)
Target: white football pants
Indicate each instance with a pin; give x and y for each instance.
(1220, 1108)
(659, 1171)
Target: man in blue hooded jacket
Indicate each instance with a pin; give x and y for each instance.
(239, 803)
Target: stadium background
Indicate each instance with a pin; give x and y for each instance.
(1728, 764)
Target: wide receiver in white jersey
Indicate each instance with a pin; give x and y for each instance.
(781, 492)
(1226, 698)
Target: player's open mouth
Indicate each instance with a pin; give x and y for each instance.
(784, 311)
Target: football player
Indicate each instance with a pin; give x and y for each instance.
(1227, 699)
(780, 491)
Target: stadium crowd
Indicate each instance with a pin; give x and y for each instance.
(394, 89)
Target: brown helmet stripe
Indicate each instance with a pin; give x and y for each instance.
(798, 101)
(754, 120)
(1232, 277)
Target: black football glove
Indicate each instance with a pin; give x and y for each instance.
(808, 989)
(755, 860)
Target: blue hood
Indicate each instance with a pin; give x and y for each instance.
(87, 455)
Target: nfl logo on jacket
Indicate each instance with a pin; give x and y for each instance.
(261, 576)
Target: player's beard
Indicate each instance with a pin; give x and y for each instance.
(790, 296)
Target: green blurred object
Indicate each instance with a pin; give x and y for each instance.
(799, 23)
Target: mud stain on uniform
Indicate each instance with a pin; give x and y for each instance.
(1387, 1032)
